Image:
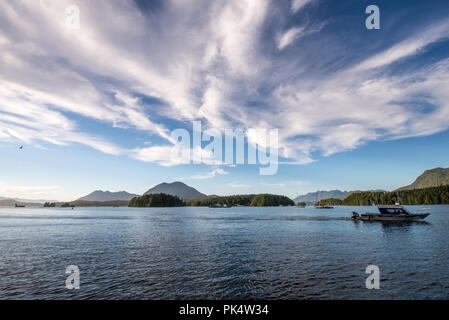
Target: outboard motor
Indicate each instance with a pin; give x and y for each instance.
(354, 215)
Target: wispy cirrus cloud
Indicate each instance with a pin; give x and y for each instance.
(211, 174)
(289, 36)
(279, 185)
(298, 4)
(239, 185)
(408, 47)
(231, 68)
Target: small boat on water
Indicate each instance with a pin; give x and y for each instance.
(219, 205)
(19, 205)
(390, 213)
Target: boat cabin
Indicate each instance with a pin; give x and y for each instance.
(392, 209)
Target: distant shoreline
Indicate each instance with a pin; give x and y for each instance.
(425, 196)
(155, 207)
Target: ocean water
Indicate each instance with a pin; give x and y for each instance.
(236, 253)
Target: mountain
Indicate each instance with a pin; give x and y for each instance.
(27, 200)
(430, 178)
(83, 203)
(358, 191)
(7, 202)
(177, 188)
(103, 196)
(311, 197)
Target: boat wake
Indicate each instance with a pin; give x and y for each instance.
(280, 218)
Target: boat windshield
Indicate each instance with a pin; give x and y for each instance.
(399, 210)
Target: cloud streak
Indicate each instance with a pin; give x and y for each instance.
(289, 36)
(211, 174)
(225, 68)
(298, 5)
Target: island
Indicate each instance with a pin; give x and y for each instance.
(253, 200)
(156, 200)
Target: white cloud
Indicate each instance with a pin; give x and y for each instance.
(239, 185)
(27, 118)
(348, 108)
(298, 4)
(213, 68)
(289, 36)
(211, 174)
(63, 88)
(274, 185)
(279, 185)
(169, 155)
(407, 47)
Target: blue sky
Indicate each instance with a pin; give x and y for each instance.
(95, 106)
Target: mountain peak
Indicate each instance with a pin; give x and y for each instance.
(430, 178)
(176, 188)
(321, 195)
(100, 195)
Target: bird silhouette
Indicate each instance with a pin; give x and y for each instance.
(21, 147)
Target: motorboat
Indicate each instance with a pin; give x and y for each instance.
(390, 213)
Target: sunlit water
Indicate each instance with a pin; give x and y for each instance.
(240, 253)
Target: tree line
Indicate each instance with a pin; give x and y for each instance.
(254, 200)
(156, 200)
(49, 205)
(432, 195)
(330, 202)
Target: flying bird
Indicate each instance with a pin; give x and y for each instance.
(21, 147)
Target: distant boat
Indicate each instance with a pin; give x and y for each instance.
(219, 205)
(389, 213)
(19, 205)
(323, 207)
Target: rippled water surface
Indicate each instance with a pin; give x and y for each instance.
(242, 253)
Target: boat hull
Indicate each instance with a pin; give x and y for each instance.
(392, 217)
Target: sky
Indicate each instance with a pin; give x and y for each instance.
(94, 104)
